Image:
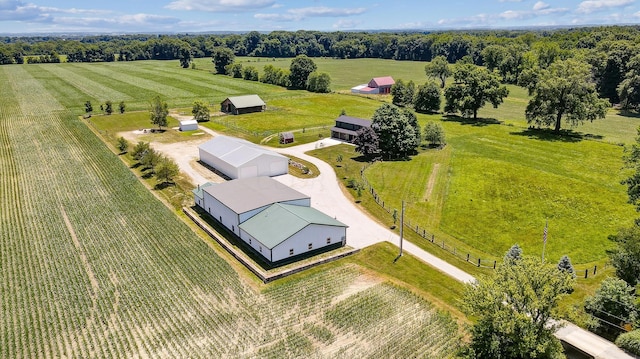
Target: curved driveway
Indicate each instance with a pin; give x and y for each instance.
(326, 196)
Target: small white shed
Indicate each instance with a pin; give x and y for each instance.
(188, 125)
(237, 158)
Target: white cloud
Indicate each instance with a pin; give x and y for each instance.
(540, 6)
(220, 5)
(590, 6)
(12, 10)
(303, 13)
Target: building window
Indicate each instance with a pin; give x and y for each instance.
(233, 228)
(329, 240)
(260, 249)
(310, 246)
(249, 240)
(291, 251)
(220, 219)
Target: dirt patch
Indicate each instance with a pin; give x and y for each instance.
(360, 284)
(432, 181)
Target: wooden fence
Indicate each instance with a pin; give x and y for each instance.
(430, 238)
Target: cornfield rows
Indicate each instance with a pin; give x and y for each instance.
(93, 265)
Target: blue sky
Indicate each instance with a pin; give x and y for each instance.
(116, 16)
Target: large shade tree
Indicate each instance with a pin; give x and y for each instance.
(564, 91)
(300, 69)
(514, 310)
(473, 88)
(222, 56)
(396, 130)
(438, 68)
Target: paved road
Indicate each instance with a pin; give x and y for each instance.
(364, 231)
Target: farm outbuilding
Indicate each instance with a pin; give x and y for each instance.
(237, 158)
(270, 217)
(377, 85)
(283, 231)
(238, 105)
(188, 125)
(286, 137)
(234, 202)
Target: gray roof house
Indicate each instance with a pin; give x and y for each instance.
(237, 158)
(238, 105)
(347, 126)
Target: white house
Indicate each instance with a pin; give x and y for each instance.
(237, 158)
(233, 202)
(188, 125)
(283, 231)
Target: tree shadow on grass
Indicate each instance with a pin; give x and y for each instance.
(547, 134)
(626, 113)
(481, 122)
(163, 185)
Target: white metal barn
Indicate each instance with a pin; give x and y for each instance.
(188, 125)
(237, 158)
(234, 202)
(283, 231)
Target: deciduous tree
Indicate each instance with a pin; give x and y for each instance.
(250, 73)
(166, 170)
(564, 91)
(366, 142)
(159, 112)
(514, 308)
(300, 69)
(629, 88)
(123, 145)
(319, 82)
(108, 107)
(222, 56)
(200, 111)
(613, 304)
(438, 68)
(88, 108)
(434, 134)
(402, 94)
(428, 98)
(395, 130)
(473, 88)
(122, 106)
(625, 257)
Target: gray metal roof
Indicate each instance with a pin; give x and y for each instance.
(246, 101)
(235, 151)
(354, 121)
(246, 194)
(279, 222)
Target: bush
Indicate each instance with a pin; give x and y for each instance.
(630, 342)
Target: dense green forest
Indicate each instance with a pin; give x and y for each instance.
(609, 50)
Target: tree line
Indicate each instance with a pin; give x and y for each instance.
(609, 50)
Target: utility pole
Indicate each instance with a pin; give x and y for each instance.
(401, 227)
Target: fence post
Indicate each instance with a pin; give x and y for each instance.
(417, 228)
(594, 269)
(478, 262)
(424, 233)
(443, 244)
(494, 264)
(467, 257)
(586, 273)
(432, 238)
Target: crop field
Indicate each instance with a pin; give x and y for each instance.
(93, 265)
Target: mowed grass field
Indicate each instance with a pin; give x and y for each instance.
(496, 183)
(93, 265)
